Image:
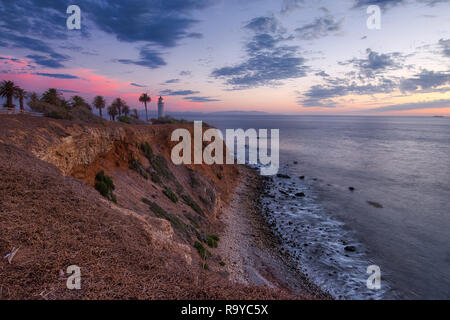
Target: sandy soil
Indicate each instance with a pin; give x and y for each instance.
(249, 249)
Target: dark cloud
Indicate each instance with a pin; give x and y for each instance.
(68, 91)
(148, 58)
(383, 4)
(152, 22)
(387, 4)
(268, 61)
(437, 104)
(445, 44)
(46, 61)
(425, 80)
(137, 85)
(201, 99)
(322, 95)
(264, 25)
(185, 73)
(169, 92)
(194, 35)
(56, 75)
(320, 27)
(172, 81)
(376, 63)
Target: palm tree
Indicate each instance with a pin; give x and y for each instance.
(112, 111)
(21, 94)
(9, 90)
(99, 103)
(144, 98)
(119, 104)
(125, 110)
(52, 96)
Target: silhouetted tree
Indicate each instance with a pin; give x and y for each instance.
(99, 103)
(21, 95)
(53, 96)
(126, 110)
(119, 104)
(9, 90)
(144, 98)
(112, 111)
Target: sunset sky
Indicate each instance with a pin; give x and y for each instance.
(279, 56)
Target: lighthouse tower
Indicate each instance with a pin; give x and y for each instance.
(160, 108)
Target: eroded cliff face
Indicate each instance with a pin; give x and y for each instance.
(141, 179)
(139, 247)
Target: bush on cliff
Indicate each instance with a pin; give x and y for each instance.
(105, 186)
(212, 240)
(136, 165)
(169, 194)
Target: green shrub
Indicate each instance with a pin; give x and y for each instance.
(212, 240)
(169, 194)
(222, 263)
(159, 163)
(201, 250)
(176, 223)
(191, 203)
(105, 186)
(148, 152)
(136, 165)
(155, 178)
(124, 119)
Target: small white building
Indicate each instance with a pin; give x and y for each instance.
(161, 108)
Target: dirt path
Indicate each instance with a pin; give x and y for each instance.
(248, 247)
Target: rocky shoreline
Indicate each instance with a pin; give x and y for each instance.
(251, 248)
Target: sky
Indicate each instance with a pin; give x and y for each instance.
(277, 56)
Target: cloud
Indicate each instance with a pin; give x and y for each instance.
(46, 61)
(290, 5)
(185, 73)
(169, 92)
(47, 57)
(148, 58)
(137, 85)
(320, 27)
(445, 44)
(172, 81)
(68, 91)
(322, 95)
(268, 59)
(194, 35)
(263, 25)
(383, 4)
(56, 75)
(437, 104)
(387, 4)
(201, 99)
(425, 80)
(161, 24)
(376, 63)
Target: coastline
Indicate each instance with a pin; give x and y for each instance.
(249, 247)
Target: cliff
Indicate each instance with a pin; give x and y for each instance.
(141, 246)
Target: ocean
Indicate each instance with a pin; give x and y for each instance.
(397, 217)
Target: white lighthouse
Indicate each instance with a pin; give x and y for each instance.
(160, 108)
